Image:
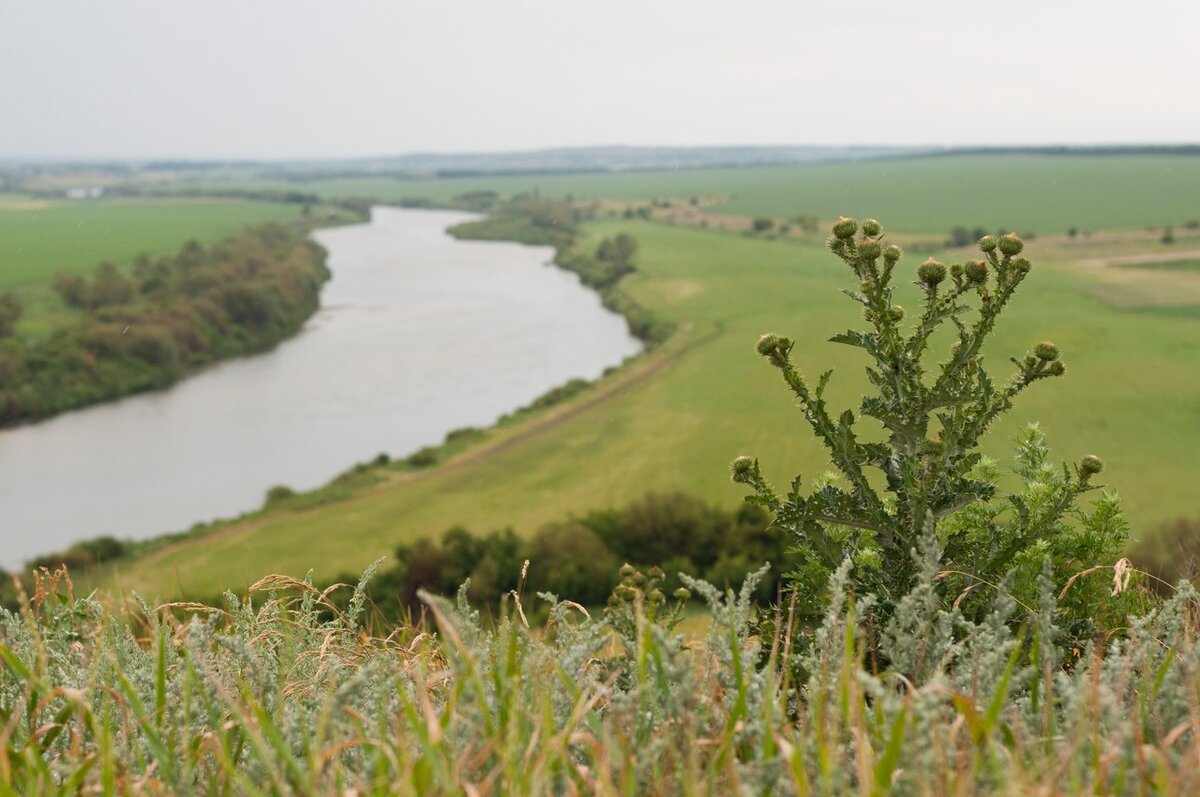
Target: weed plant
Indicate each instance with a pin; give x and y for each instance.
(926, 481)
(290, 695)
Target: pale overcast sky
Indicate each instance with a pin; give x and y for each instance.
(300, 78)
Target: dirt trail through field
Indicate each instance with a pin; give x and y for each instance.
(1148, 257)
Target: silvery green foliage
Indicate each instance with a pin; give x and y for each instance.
(928, 472)
(288, 696)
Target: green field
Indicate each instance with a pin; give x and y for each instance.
(39, 238)
(1026, 193)
(1130, 395)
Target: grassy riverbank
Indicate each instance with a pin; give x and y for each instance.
(706, 397)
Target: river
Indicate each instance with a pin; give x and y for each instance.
(418, 334)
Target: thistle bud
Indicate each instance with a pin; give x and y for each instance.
(656, 596)
(844, 227)
(1021, 265)
(656, 572)
(1030, 361)
(931, 272)
(775, 348)
(872, 227)
(1056, 368)
(896, 313)
(742, 468)
(1046, 351)
(956, 270)
(683, 594)
(1091, 465)
(976, 272)
(869, 249)
(987, 243)
(892, 253)
(639, 579)
(1011, 245)
(626, 570)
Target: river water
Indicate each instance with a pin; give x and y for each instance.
(418, 334)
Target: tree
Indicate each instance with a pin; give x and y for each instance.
(762, 224)
(11, 308)
(619, 249)
(109, 286)
(72, 288)
(960, 236)
(937, 489)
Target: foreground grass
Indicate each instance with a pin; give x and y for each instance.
(710, 398)
(289, 694)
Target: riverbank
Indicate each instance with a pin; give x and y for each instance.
(555, 338)
(121, 331)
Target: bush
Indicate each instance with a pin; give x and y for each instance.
(278, 494)
(425, 457)
(939, 493)
(11, 307)
(762, 224)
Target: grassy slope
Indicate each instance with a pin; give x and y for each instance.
(38, 239)
(1022, 192)
(717, 399)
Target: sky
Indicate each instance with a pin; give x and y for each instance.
(222, 79)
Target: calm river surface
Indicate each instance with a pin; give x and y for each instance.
(418, 334)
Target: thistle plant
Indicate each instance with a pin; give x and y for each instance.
(928, 469)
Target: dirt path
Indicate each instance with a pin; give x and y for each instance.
(1148, 257)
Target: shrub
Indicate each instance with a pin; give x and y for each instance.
(425, 457)
(762, 224)
(10, 311)
(278, 494)
(938, 490)
(569, 559)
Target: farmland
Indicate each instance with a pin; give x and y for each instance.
(674, 420)
(40, 238)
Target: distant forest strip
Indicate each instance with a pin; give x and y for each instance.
(145, 329)
(555, 222)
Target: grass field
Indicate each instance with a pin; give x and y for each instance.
(1042, 194)
(40, 238)
(1130, 395)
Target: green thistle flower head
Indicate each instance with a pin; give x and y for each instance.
(872, 227)
(931, 272)
(869, 249)
(742, 468)
(987, 243)
(1046, 351)
(845, 227)
(976, 272)
(892, 253)
(1011, 244)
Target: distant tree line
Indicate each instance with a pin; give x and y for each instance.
(147, 327)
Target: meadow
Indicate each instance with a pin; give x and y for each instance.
(1026, 193)
(42, 237)
(674, 420)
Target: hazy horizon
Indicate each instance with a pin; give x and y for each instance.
(303, 80)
